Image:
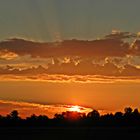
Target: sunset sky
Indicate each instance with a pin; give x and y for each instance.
(58, 53)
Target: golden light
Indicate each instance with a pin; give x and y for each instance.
(75, 108)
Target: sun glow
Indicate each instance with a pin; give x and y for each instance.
(75, 108)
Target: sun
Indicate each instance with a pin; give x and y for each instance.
(75, 108)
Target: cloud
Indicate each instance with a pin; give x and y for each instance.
(27, 109)
(118, 35)
(6, 55)
(106, 57)
(57, 78)
(70, 69)
(136, 47)
(111, 45)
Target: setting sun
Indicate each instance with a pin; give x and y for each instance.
(75, 108)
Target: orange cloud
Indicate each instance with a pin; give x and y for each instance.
(83, 68)
(7, 55)
(27, 109)
(111, 56)
(58, 78)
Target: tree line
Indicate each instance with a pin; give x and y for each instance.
(130, 117)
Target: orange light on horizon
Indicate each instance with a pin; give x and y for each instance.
(75, 108)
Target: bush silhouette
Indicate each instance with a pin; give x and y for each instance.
(130, 117)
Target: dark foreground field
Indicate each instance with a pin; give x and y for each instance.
(83, 133)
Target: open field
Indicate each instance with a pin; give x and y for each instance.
(83, 133)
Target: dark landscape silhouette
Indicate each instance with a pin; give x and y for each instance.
(72, 125)
(129, 118)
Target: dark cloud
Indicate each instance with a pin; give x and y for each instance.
(111, 45)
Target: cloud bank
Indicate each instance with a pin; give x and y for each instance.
(111, 45)
(115, 55)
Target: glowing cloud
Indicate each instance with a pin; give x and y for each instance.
(26, 109)
(6, 55)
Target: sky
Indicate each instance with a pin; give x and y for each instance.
(58, 53)
(48, 20)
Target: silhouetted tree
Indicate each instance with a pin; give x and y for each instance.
(107, 119)
(14, 115)
(118, 118)
(94, 114)
(128, 111)
(118, 115)
(136, 112)
(130, 117)
(58, 116)
(42, 118)
(32, 118)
